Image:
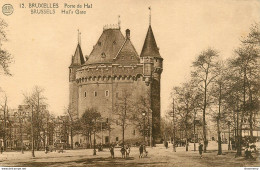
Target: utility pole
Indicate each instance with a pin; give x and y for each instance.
(173, 121)
(32, 135)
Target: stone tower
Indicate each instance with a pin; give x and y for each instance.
(152, 73)
(113, 66)
(76, 61)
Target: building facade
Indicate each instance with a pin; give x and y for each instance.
(114, 66)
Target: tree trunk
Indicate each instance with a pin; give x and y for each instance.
(204, 118)
(71, 137)
(251, 115)
(219, 140)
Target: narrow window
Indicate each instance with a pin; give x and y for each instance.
(106, 139)
(85, 94)
(117, 139)
(107, 93)
(107, 120)
(70, 70)
(133, 132)
(95, 93)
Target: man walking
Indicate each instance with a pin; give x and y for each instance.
(200, 149)
(112, 151)
(141, 150)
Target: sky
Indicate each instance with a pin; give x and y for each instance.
(42, 45)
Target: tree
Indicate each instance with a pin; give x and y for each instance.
(5, 57)
(245, 72)
(142, 115)
(36, 102)
(123, 106)
(184, 103)
(217, 92)
(4, 130)
(204, 73)
(70, 111)
(88, 123)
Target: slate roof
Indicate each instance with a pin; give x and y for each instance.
(77, 58)
(150, 47)
(106, 47)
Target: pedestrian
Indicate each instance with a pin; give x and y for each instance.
(141, 150)
(127, 151)
(123, 151)
(200, 149)
(145, 153)
(2, 149)
(46, 149)
(166, 145)
(112, 151)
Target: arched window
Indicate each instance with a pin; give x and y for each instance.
(85, 94)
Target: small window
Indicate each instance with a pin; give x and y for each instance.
(107, 120)
(106, 139)
(107, 93)
(85, 94)
(114, 42)
(95, 93)
(70, 70)
(99, 43)
(132, 57)
(123, 57)
(133, 132)
(117, 139)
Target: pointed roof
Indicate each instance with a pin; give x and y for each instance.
(150, 47)
(107, 46)
(77, 58)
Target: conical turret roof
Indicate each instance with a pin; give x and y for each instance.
(77, 58)
(150, 47)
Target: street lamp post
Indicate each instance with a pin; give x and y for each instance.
(94, 151)
(144, 125)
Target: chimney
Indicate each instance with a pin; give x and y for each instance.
(127, 34)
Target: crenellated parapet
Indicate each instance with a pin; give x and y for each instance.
(108, 72)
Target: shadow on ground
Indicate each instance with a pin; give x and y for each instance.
(94, 162)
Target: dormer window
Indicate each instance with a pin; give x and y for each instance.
(132, 57)
(99, 43)
(103, 55)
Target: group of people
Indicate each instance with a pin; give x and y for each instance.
(125, 151)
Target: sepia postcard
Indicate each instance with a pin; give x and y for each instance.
(129, 83)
